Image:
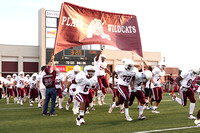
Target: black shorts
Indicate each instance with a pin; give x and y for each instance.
(148, 92)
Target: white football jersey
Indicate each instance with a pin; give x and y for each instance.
(156, 77)
(100, 67)
(187, 79)
(1, 82)
(39, 78)
(20, 82)
(27, 80)
(115, 82)
(32, 83)
(84, 84)
(139, 78)
(124, 76)
(9, 83)
(58, 81)
(71, 75)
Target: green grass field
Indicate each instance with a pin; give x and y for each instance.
(24, 119)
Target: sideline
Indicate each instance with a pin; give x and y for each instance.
(169, 129)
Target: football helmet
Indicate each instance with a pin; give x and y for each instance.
(103, 56)
(27, 76)
(89, 71)
(162, 65)
(195, 71)
(14, 76)
(8, 76)
(21, 74)
(129, 64)
(34, 76)
(76, 69)
(148, 74)
(123, 60)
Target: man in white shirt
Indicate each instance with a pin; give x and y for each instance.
(41, 87)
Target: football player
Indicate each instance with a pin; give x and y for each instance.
(59, 87)
(126, 74)
(140, 79)
(9, 87)
(115, 92)
(27, 87)
(157, 91)
(84, 81)
(40, 86)
(33, 88)
(101, 70)
(16, 95)
(184, 81)
(20, 80)
(71, 75)
(197, 121)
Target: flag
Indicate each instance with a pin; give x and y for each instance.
(82, 26)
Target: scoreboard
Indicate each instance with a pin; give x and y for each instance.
(72, 57)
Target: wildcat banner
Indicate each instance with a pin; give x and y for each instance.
(82, 26)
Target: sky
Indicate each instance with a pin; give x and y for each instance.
(171, 27)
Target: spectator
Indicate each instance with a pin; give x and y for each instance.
(49, 82)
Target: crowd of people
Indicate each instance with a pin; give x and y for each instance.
(83, 87)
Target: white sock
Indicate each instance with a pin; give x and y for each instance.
(75, 105)
(126, 112)
(155, 107)
(60, 102)
(82, 112)
(91, 104)
(178, 100)
(98, 95)
(103, 96)
(140, 110)
(192, 106)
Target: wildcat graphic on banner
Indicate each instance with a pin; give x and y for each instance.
(82, 26)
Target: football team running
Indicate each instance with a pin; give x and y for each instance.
(82, 87)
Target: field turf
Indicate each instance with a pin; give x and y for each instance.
(25, 119)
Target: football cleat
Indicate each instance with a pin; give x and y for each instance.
(21, 103)
(82, 121)
(31, 104)
(191, 117)
(110, 109)
(92, 108)
(156, 112)
(39, 105)
(87, 111)
(128, 118)
(53, 115)
(146, 108)
(102, 102)
(57, 105)
(151, 107)
(60, 107)
(78, 122)
(17, 101)
(141, 117)
(67, 106)
(99, 102)
(174, 97)
(121, 111)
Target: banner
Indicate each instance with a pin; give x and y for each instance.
(82, 26)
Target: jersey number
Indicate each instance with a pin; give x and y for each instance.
(126, 78)
(48, 82)
(189, 83)
(87, 87)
